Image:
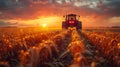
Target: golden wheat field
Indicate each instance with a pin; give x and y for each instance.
(31, 47)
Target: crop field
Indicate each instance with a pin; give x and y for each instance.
(30, 47)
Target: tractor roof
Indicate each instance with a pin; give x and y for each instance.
(71, 14)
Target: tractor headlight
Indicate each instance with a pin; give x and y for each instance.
(71, 21)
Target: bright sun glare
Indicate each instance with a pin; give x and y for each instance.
(44, 25)
(45, 22)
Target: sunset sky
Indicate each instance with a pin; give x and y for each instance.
(93, 13)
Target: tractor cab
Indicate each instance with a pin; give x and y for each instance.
(71, 17)
(71, 20)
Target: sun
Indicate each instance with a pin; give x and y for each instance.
(44, 25)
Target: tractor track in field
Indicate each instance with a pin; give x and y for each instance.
(79, 49)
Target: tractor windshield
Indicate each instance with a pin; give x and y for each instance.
(71, 17)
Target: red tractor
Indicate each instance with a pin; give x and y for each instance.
(71, 20)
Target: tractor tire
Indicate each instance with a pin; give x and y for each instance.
(79, 25)
(64, 25)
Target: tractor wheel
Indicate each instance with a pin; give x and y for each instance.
(64, 25)
(79, 26)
